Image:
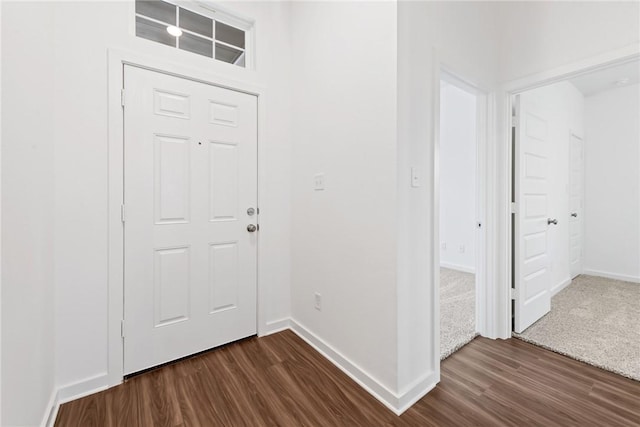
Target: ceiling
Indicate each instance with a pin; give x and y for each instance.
(605, 79)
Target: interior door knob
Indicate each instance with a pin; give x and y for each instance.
(251, 228)
(552, 221)
(574, 214)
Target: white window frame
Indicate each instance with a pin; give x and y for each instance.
(217, 13)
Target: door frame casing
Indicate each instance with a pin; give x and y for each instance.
(482, 95)
(572, 134)
(507, 92)
(117, 59)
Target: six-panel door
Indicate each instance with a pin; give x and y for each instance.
(531, 253)
(190, 175)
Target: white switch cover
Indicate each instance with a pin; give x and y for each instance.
(461, 249)
(318, 182)
(415, 178)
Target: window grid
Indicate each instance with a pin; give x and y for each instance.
(212, 39)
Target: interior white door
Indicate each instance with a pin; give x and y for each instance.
(190, 173)
(576, 204)
(531, 258)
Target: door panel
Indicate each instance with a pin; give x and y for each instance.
(190, 174)
(531, 258)
(223, 186)
(171, 285)
(223, 277)
(172, 181)
(576, 204)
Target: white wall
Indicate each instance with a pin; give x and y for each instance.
(28, 214)
(612, 183)
(563, 106)
(457, 178)
(540, 36)
(0, 214)
(64, 87)
(463, 36)
(344, 124)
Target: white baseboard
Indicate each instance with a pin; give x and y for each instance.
(74, 391)
(560, 286)
(458, 267)
(275, 326)
(417, 391)
(397, 403)
(615, 276)
(83, 388)
(51, 411)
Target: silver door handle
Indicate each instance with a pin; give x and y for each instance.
(552, 221)
(251, 228)
(574, 214)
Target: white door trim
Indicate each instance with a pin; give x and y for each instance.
(574, 134)
(502, 207)
(483, 320)
(116, 60)
(448, 74)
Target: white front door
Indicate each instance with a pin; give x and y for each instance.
(576, 204)
(190, 156)
(531, 258)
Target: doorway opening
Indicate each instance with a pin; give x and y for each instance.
(193, 120)
(461, 134)
(576, 215)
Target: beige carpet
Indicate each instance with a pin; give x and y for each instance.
(594, 320)
(457, 310)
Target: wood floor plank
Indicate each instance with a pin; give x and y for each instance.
(159, 405)
(83, 412)
(121, 407)
(279, 380)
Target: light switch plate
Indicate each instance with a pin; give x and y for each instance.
(318, 182)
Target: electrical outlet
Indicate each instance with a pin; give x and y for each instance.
(443, 246)
(461, 249)
(317, 301)
(318, 182)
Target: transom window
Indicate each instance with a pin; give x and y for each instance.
(167, 23)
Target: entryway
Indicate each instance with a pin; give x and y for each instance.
(190, 217)
(460, 214)
(576, 223)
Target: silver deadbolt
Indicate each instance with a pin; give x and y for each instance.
(251, 211)
(552, 221)
(251, 228)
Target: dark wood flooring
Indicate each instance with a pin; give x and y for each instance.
(280, 381)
